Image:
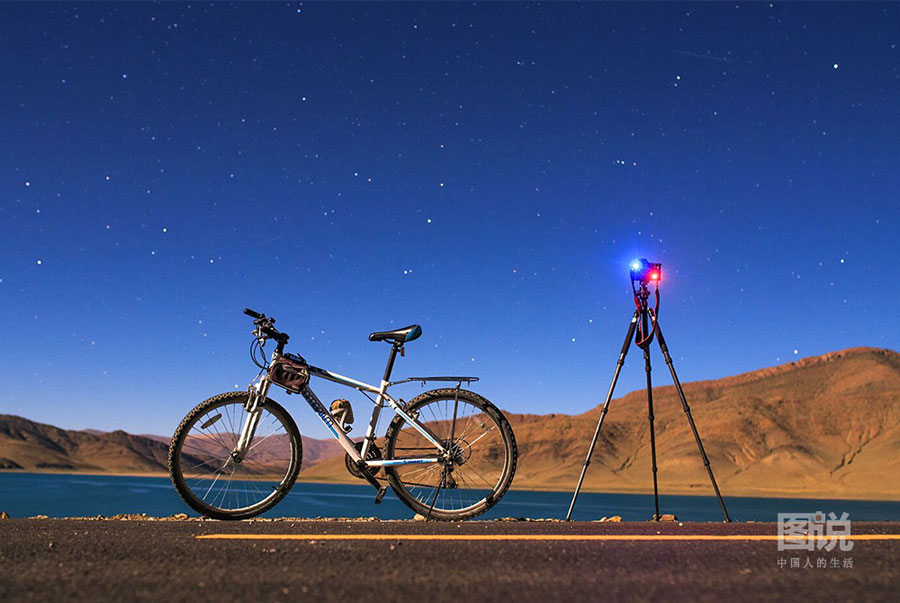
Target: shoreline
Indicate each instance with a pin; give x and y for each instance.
(676, 491)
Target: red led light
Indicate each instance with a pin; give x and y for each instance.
(654, 276)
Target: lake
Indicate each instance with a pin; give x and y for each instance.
(62, 495)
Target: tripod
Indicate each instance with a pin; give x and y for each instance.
(640, 328)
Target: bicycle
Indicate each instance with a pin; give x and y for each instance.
(448, 454)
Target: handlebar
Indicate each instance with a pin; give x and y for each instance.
(275, 334)
(264, 324)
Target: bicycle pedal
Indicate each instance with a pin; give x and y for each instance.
(380, 495)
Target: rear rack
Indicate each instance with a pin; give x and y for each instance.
(424, 380)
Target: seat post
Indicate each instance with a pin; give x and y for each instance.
(390, 365)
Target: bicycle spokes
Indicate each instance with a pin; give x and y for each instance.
(221, 476)
(474, 466)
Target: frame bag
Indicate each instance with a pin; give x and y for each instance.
(290, 372)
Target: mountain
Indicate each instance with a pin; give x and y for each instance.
(34, 446)
(825, 426)
(28, 445)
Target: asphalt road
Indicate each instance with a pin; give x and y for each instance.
(54, 560)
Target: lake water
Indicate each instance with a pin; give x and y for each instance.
(58, 495)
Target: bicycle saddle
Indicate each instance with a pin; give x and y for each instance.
(398, 335)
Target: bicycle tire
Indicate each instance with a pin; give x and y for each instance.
(469, 492)
(253, 481)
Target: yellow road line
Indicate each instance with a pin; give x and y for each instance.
(539, 537)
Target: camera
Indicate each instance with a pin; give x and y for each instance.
(645, 272)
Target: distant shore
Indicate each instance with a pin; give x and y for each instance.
(704, 490)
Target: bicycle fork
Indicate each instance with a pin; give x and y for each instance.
(257, 393)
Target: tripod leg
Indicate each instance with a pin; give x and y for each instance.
(652, 434)
(687, 411)
(609, 394)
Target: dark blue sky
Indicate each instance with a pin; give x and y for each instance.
(485, 170)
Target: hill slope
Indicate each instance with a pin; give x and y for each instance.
(27, 445)
(823, 426)
(826, 426)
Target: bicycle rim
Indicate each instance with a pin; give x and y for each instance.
(210, 479)
(484, 456)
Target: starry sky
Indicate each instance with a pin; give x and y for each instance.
(485, 170)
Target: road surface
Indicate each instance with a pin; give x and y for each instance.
(64, 559)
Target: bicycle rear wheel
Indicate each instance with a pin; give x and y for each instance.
(210, 479)
(483, 455)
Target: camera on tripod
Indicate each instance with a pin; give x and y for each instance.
(645, 272)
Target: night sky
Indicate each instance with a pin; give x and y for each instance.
(485, 170)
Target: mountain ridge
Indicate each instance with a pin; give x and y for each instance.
(26, 444)
(823, 426)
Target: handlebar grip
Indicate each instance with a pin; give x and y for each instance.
(252, 313)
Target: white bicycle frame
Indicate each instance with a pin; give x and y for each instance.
(261, 389)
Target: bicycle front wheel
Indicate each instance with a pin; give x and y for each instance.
(216, 482)
(481, 464)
